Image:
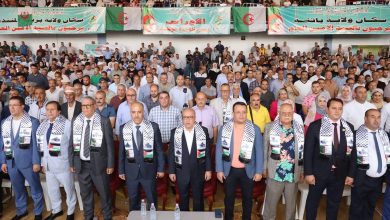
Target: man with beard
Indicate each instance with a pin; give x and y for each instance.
(152, 99)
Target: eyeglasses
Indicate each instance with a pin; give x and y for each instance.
(131, 95)
(87, 106)
(286, 114)
(188, 117)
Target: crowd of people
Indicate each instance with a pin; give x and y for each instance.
(319, 116)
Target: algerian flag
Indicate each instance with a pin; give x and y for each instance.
(121, 19)
(249, 19)
(24, 16)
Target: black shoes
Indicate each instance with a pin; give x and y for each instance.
(70, 217)
(53, 216)
(38, 217)
(18, 217)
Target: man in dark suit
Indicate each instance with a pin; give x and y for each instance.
(91, 152)
(386, 201)
(327, 155)
(72, 108)
(19, 157)
(372, 149)
(5, 111)
(189, 160)
(141, 159)
(243, 86)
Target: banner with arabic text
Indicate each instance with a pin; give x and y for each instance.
(354, 19)
(97, 50)
(83, 20)
(187, 20)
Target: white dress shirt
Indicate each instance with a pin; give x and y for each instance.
(82, 138)
(189, 135)
(141, 129)
(385, 118)
(15, 126)
(372, 156)
(338, 128)
(354, 112)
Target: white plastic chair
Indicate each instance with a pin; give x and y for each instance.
(304, 189)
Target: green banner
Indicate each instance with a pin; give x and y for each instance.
(187, 20)
(83, 20)
(362, 19)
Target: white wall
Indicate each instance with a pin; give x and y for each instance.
(132, 40)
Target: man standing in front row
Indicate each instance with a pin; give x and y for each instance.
(53, 137)
(20, 157)
(327, 155)
(371, 149)
(239, 159)
(283, 155)
(91, 155)
(189, 160)
(141, 159)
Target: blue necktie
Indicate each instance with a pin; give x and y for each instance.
(48, 133)
(86, 140)
(139, 136)
(378, 153)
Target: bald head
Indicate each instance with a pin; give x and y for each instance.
(201, 99)
(188, 115)
(137, 112)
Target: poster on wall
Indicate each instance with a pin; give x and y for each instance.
(376, 50)
(187, 21)
(83, 20)
(351, 19)
(97, 50)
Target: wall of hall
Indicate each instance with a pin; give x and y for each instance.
(132, 40)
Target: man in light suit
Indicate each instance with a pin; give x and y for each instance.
(91, 156)
(239, 159)
(20, 157)
(283, 158)
(141, 159)
(223, 105)
(72, 108)
(328, 146)
(53, 137)
(189, 160)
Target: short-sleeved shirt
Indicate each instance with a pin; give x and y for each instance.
(107, 111)
(285, 169)
(208, 117)
(260, 117)
(179, 97)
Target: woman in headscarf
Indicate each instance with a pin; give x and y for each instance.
(377, 98)
(345, 94)
(318, 110)
(282, 96)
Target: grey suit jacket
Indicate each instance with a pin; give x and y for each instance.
(271, 164)
(101, 159)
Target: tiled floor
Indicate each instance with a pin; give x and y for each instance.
(121, 211)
